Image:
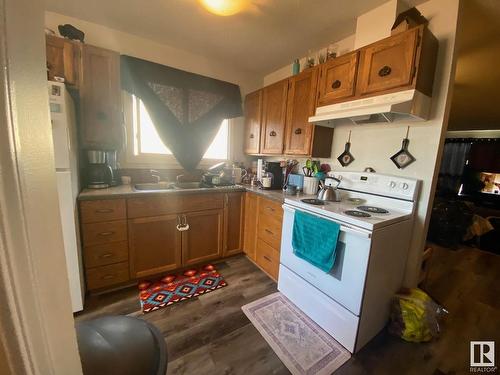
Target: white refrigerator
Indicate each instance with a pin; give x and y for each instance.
(64, 135)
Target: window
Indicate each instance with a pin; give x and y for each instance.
(145, 145)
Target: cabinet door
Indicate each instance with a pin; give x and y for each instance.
(62, 59)
(253, 118)
(273, 117)
(388, 64)
(233, 223)
(100, 99)
(338, 79)
(250, 231)
(301, 105)
(154, 245)
(203, 240)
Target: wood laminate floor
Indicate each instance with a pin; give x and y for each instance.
(211, 335)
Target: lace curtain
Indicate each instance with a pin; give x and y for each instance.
(187, 109)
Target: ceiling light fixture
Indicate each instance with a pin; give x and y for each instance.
(224, 7)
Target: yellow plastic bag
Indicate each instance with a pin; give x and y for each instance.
(414, 316)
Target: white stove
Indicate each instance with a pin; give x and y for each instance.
(351, 302)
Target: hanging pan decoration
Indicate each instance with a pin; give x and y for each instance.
(346, 157)
(403, 158)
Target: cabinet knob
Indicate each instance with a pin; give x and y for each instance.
(298, 131)
(336, 84)
(252, 136)
(385, 71)
(105, 234)
(272, 133)
(104, 211)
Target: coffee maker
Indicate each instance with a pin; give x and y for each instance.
(273, 170)
(99, 173)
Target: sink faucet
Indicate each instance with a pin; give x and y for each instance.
(155, 175)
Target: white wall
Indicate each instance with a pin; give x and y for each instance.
(132, 45)
(373, 144)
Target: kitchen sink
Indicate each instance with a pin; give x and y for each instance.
(188, 185)
(154, 186)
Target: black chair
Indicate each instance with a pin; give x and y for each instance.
(121, 345)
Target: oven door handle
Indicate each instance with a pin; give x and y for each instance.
(343, 227)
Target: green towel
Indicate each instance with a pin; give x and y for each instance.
(315, 240)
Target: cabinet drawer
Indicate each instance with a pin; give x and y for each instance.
(269, 230)
(104, 276)
(102, 210)
(268, 258)
(102, 233)
(270, 208)
(173, 203)
(101, 255)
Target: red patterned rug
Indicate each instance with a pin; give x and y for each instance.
(176, 288)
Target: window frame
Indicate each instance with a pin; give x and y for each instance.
(128, 158)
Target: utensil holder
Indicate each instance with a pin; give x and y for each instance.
(310, 185)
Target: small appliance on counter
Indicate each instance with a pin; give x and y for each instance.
(272, 176)
(99, 173)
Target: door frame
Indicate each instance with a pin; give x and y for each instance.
(37, 334)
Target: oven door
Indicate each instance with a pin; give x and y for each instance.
(345, 282)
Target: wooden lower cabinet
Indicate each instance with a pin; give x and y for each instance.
(251, 211)
(154, 245)
(157, 234)
(202, 241)
(233, 223)
(263, 222)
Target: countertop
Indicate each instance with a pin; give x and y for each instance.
(127, 191)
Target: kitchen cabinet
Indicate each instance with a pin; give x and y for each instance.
(63, 59)
(233, 223)
(274, 100)
(203, 239)
(389, 63)
(402, 61)
(263, 222)
(253, 119)
(338, 79)
(301, 137)
(154, 245)
(100, 99)
(250, 232)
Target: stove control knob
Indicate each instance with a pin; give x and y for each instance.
(404, 186)
(392, 184)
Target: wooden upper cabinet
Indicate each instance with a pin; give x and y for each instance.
(301, 105)
(203, 241)
(233, 223)
(389, 63)
(338, 79)
(154, 245)
(273, 117)
(63, 59)
(100, 99)
(253, 118)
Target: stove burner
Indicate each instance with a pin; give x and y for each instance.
(372, 209)
(356, 213)
(313, 201)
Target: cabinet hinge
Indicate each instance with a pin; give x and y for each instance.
(414, 71)
(419, 40)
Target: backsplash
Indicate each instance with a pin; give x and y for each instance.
(140, 175)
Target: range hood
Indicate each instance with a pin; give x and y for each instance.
(408, 105)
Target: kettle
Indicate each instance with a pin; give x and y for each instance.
(329, 192)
